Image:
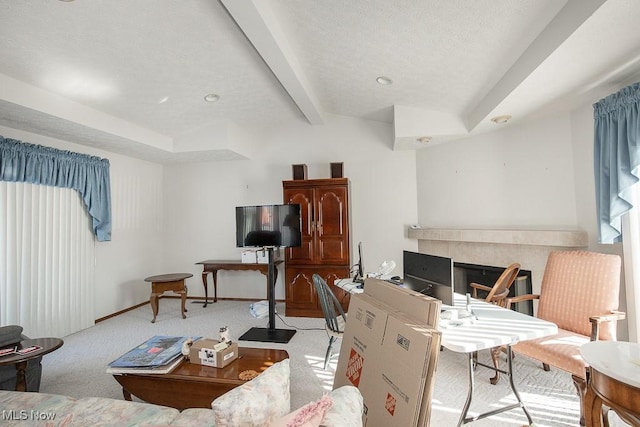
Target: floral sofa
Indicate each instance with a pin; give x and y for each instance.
(263, 401)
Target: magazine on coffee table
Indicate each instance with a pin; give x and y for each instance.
(157, 351)
(162, 369)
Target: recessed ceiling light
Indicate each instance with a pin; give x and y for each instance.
(212, 97)
(384, 80)
(67, 1)
(163, 100)
(501, 119)
(424, 139)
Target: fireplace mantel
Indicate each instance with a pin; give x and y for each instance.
(560, 238)
(499, 248)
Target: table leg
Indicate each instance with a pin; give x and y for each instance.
(472, 364)
(184, 300)
(465, 409)
(215, 285)
(154, 305)
(591, 408)
(126, 394)
(513, 386)
(21, 376)
(206, 288)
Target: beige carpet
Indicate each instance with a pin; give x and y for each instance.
(78, 368)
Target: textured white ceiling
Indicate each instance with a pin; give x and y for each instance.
(93, 71)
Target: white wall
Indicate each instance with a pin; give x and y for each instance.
(533, 176)
(519, 177)
(135, 250)
(200, 198)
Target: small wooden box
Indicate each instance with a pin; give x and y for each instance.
(299, 171)
(336, 170)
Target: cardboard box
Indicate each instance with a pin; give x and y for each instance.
(423, 308)
(203, 353)
(391, 355)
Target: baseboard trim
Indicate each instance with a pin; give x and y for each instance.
(195, 299)
(117, 313)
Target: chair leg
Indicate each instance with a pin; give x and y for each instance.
(328, 355)
(495, 356)
(581, 387)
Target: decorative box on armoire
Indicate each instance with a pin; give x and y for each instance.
(325, 250)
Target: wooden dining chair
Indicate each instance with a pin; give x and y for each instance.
(497, 294)
(334, 316)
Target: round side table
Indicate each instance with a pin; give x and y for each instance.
(162, 283)
(613, 379)
(47, 345)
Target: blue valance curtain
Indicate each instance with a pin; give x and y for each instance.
(89, 175)
(616, 158)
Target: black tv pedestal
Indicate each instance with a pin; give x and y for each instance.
(282, 336)
(270, 334)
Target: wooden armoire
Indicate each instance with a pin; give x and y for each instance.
(325, 250)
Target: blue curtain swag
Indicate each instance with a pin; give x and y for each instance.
(616, 158)
(37, 164)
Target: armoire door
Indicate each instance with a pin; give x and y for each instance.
(301, 297)
(305, 253)
(332, 229)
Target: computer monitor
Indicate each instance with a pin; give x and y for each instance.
(429, 274)
(359, 276)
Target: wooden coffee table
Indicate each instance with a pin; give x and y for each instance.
(191, 385)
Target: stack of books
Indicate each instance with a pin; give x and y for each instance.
(157, 355)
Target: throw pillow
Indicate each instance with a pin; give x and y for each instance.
(257, 402)
(310, 415)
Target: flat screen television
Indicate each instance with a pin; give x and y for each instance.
(268, 225)
(429, 274)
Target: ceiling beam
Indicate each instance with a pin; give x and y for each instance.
(262, 29)
(565, 23)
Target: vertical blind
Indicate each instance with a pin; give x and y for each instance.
(46, 260)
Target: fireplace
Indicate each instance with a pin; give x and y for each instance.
(464, 274)
(491, 249)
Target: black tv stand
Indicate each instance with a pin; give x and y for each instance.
(270, 334)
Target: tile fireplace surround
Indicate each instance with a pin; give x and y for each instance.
(499, 248)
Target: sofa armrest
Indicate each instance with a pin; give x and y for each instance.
(597, 320)
(10, 334)
(520, 298)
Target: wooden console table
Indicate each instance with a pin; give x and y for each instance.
(212, 266)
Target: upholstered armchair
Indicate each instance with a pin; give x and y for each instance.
(579, 293)
(12, 334)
